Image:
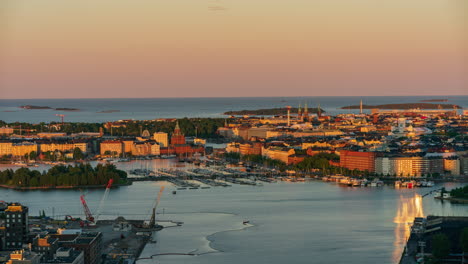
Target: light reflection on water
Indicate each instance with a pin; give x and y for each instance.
(408, 208)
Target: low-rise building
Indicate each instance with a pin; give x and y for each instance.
(111, 147)
(24, 257)
(90, 243)
(66, 256)
(278, 153)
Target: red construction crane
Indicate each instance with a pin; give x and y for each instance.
(61, 116)
(88, 214)
(104, 197)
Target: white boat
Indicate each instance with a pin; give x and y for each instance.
(356, 183)
(430, 184)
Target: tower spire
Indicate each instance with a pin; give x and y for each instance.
(319, 110)
(360, 107)
(177, 128)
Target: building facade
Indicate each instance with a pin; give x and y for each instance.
(363, 161)
(17, 226)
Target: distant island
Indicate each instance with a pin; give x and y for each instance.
(404, 106)
(270, 111)
(108, 111)
(434, 100)
(67, 109)
(36, 107)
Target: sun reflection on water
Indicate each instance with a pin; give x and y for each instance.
(408, 209)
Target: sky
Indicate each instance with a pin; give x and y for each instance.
(222, 48)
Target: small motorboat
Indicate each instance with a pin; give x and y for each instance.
(245, 222)
(174, 192)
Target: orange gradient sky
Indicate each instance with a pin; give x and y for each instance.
(206, 48)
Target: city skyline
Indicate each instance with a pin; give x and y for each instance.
(123, 49)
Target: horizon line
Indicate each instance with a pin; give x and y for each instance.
(214, 97)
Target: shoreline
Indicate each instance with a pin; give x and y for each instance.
(47, 188)
(453, 200)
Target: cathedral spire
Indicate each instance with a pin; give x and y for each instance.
(177, 128)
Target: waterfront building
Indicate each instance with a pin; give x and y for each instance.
(177, 137)
(278, 153)
(21, 149)
(17, 226)
(24, 257)
(409, 166)
(63, 146)
(452, 165)
(363, 161)
(114, 147)
(161, 138)
(127, 145)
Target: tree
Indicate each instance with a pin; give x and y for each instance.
(77, 154)
(440, 246)
(464, 240)
(33, 155)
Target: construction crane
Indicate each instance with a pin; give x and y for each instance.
(88, 214)
(152, 222)
(61, 117)
(104, 198)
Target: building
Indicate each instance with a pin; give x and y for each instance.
(177, 137)
(45, 245)
(51, 134)
(409, 166)
(24, 257)
(145, 148)
(6, 130)
(464, 165)
(63, 146)
(452, 165)
(363, 161)
(21, 149)
(111, 147)
(161, 138)
(2, 238)
(6, 148)
(278, 153)
(17, 226)
(90, 243)
(66, 256)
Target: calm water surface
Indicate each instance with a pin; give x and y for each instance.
(152, 108)
(312, 222)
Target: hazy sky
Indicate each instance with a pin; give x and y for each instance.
(201, 48)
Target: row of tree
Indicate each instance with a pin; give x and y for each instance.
(441, 246)
(61, 175)
(461, 192)
(203, 127)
